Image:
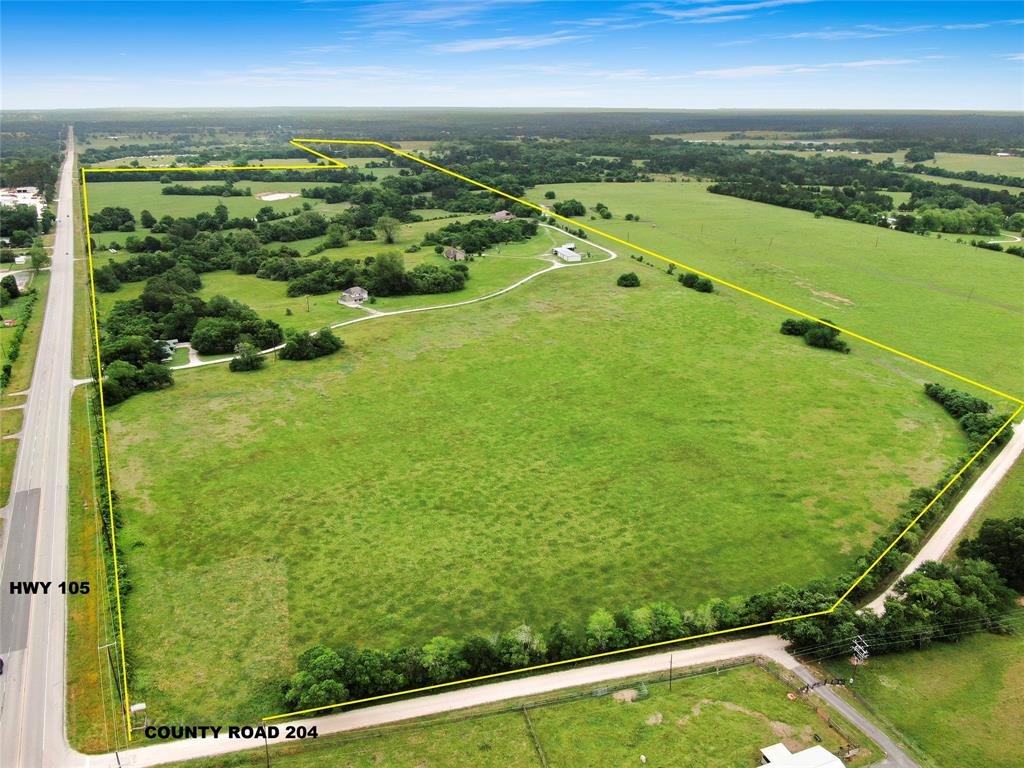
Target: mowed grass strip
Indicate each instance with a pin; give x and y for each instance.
(569, 446)
(953, 305)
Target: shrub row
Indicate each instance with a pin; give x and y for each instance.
(697, 283)
(815, 334)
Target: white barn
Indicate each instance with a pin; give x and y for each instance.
(568, 253)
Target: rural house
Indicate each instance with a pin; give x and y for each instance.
(354, 295)
(454, 254)
(502, 216)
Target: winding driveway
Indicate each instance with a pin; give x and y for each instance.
(194, 362)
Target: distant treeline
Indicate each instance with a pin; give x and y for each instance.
(952, 131)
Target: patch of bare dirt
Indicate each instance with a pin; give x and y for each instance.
(627, 695)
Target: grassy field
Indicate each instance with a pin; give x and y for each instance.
(93, 708)
(473, 469)
(952, 161)
(961, 311)
(9, 453)
(965, 183)
(719, 720)
(10, 422)
(963, 699)
(146, 195)
(21, 374)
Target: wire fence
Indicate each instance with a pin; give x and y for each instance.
(364, 743)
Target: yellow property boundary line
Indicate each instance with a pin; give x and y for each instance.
(301, 144)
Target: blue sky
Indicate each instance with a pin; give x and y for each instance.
(696, 54)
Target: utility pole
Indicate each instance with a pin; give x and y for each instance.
(670, 673)
(860, 655)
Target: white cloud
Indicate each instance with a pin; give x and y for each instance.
(719, 19)
(732, 10)
(449, 13)
(510, 42)
(774, 70)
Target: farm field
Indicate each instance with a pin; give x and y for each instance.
(963, 312)
(965, 183)
(718, 720)
(953, 161)
(510, 441)
(146, 195)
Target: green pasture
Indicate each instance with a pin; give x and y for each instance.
(965, 183)
(955, 161)
(712, 719)
(964, 699)
(568, 446)
(953, 305)
(146, 195)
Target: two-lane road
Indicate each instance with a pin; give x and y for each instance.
(34, 548)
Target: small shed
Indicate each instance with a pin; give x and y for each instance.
(354, 295)
(568, 254)
(503, 216)
(454, 254)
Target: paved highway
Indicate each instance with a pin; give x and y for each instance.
(32, 629)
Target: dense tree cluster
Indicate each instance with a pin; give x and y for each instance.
(569, 207)
(305, 225)
(477, 235)
(20, 224)
(853, 203)
(226, 189)
(815, 334)
(112, 219)
(1000, 542)
(306, 346)
(381, 275)
(167, 308)
(974, 414)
